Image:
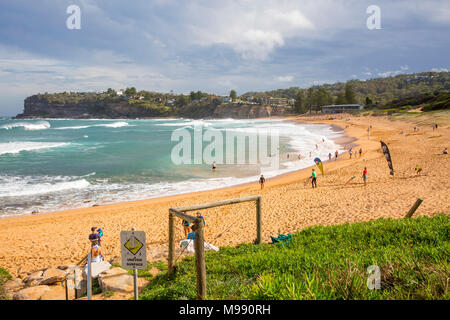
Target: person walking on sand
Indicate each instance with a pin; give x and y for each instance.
(336, 155)
(364, 176)
(261, 181)
(360, 152)
(96, 252)
(314, 179)
(94, 236)
(186, 226)
(329, 156)
(350, 152)
(199, 215)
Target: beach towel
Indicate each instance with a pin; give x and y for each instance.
(188, 245)
(282, 238)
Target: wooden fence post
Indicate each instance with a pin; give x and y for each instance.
(200, 259)
(171, 241)
(414, 208)
(258, 220)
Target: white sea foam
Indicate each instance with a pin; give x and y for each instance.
(40, 125)
(23, 186)
(16, 147)
(118, 124)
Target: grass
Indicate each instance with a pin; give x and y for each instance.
(4, 276)
(325, 263)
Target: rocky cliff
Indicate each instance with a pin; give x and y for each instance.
(38, 106)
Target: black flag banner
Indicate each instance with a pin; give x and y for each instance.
(387, 155)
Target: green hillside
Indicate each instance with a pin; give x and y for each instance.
(326, 263)
(379, 90)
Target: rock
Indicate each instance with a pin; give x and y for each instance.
(32, 293)
(62, 267)
(58, 293)
(116, 279)
(23, 275)
(13, 285)
(97, 268)
(116, 260)
(33, 279)
(51, 276)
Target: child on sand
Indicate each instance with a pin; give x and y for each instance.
(365, 176)
(445, 151)
(261, 181)
(314, 179)
(96, 252)
(418, 169)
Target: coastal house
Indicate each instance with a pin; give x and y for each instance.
(225, 99)
(339, 108)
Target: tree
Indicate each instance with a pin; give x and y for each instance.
(233, 94)
(368, 101)
(309, 98)
(300, 103)
(349, 94)
(340, 99)
(111, 91)
(130, 91)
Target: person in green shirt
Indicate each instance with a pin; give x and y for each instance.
(314, 178)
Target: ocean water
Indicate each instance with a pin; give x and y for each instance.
(49, 165)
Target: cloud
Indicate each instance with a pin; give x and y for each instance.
(253, 30)
(386, 74)
(440, 70)
(285, 78)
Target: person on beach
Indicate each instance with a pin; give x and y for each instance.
(418, 169)
(214, 166)
(336, 155)
(360, 152)
(445, 151)
(329, 156)
(364, 176)
(186, 227)
(299, 156)
(350, 152)
(314, 179)
(199, 215)
(261, 181)
(94, 236)
(96, 252)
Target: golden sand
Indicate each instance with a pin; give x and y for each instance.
(49, 240)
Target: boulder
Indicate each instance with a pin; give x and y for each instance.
(32, 293)
(13, 285)
(116, 279)
(51, 276)
(97, 268)
(33, 279)
(58, 292)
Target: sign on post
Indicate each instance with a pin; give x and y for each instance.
(134, 249)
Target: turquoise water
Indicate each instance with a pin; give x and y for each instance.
(49, 165)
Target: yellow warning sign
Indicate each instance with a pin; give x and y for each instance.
(133, 245)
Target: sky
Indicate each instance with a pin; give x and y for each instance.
(213, 45)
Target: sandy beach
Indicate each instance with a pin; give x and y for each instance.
(288, 204)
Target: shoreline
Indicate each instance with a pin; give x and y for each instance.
(289, 205)
(343, 141)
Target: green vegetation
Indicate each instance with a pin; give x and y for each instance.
(428, 90)
(4, 276)
(326, 263)
(379, 90)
